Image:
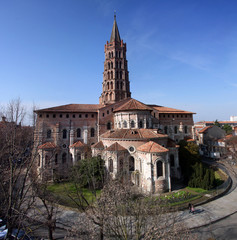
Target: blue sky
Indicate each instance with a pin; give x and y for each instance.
(181, 53)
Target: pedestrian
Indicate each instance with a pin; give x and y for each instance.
(192, 209)
(189, 207)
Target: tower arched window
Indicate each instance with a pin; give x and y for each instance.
(125, 125)
(159, 168)
(121, 85)
(132, 124)
(116, 74)
(112, 54)
(140, 124)
(108, 125)
(78, 133)
(120, 65)
(108, 85)
(111, 85)
(109, 55)
(112, 75)
(119, 54)
(49, 133)
(121, 75)
(64, 133)
(111, 65)
(64, 158)
(131, 164)
(108, 65)
(117, 85)
(108, 75)
(111, 167)
(92, 132)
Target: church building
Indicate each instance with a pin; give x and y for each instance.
(133, 138)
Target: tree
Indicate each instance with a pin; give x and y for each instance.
(16, 163)
(227, 128)
(121, 212)
(217, 123)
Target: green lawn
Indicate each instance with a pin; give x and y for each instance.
(65, 192)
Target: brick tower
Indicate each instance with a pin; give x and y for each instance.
(116, 85)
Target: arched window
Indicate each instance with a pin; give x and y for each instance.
(131, 164)
(121, 85)
(78, 133)
(111, 167)
(119, 54)
(49, 133)
(108, 75)
(175, 130)
(140, 124)
(111, 65)
(111, 85)
(125, 124)
(117, 85)
(120, 165)
(185, 129)
(107, 85)
(112, 75)
(121, 75)
(47, 161)
(132, 124)
(166, 130)
(108, 65)
(120, 65)
(109, 55)
(92, 132)
(64, 158)
(56, 159)
(64, 133)
(159, 169)
(112, 54)
(172, 160)
(108, 125)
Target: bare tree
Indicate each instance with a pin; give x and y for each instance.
(15, 111)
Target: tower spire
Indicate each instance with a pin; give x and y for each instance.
(115, 37)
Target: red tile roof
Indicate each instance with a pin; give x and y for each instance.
(133, 105)
(98, 145)
(78, 144)
(162, 109)
(133, 134)
(47, 145)
(116, 147)
(152, 147)
(72, 108)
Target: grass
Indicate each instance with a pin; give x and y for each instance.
(63, 191)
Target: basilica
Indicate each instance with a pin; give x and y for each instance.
(134, 138)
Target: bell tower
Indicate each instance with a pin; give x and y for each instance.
(116, 85)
